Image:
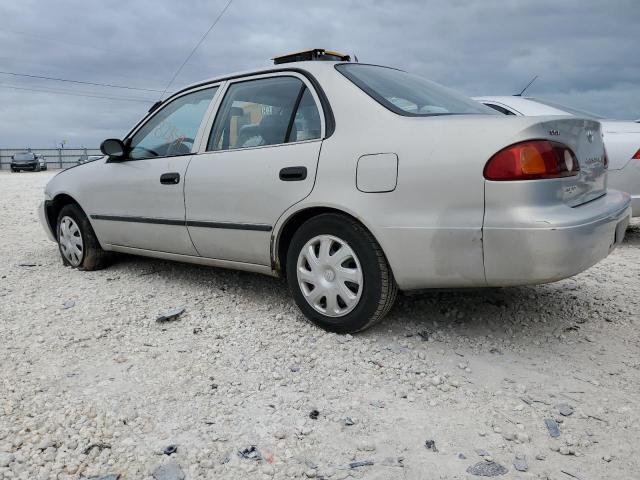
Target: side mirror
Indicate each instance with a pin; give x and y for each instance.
(114, 148)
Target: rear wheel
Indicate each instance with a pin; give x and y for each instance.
(338, 274)
(77, 242)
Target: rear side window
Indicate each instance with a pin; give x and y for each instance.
(409, 95)
(500, 109)
(268, 111)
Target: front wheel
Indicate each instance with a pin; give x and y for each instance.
(338, 275)
(77, 242)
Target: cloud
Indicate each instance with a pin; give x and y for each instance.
(585, 52)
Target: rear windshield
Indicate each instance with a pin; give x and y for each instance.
(570, 110)
(410, 95)
(24, 156)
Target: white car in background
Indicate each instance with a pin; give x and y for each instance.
(621, 138)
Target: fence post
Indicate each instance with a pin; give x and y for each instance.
(60, 157)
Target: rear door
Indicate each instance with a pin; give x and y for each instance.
(259, 158)
(139, 202)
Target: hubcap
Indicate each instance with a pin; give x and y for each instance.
(329, 275)
(70, 241)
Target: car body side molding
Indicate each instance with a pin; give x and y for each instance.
(189, 223)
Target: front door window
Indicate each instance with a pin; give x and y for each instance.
(171, 131)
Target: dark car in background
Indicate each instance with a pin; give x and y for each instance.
(28, 161)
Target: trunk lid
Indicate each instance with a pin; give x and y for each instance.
(584, 138)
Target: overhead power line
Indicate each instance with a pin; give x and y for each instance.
(62, 92)
(196, 47)
(110, 85)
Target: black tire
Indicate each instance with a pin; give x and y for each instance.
(93, 256)
(14, 170)
(379, 288)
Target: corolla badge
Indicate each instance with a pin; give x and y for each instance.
(590, 136)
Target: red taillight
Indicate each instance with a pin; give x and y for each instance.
(637, 155)
(532, 160)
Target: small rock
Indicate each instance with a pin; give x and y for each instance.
(363, 463)
(540, 456)
(482, 452)
(377, 403)
(197, 331)
(250, 453)
(606, 458)
(522, 437)
(424, 335)
(564, 450)
(314, 414)
(168, 471)
(68, 304)
(487, 469)
(349, 421)
(170, 315)
(109, 476)
(509, 436)
(552, 427)
(565, 409)
(520, 463)
(431, 445)
(435, 381)
(170, 449)
(280, 435)
(461, 456)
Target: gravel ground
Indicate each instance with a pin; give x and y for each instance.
(243, 387)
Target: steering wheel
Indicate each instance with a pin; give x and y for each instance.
(175, 148)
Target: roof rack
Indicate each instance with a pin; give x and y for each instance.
(312, 54)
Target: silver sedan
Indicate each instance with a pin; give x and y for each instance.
(351, 181)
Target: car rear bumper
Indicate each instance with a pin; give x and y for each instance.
(565, 243)
(42, 215)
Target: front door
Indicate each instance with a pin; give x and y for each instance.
(139, 202)
(260, 158)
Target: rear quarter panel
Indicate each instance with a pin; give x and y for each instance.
(430, 226)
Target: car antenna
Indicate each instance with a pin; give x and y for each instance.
(525, 88)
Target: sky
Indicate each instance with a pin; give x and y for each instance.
(585, 52)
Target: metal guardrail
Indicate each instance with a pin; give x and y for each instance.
(55, 157)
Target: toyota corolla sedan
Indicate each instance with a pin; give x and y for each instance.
(351, 181)
(621, 139)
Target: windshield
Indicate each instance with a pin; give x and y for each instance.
(24, 156)
(409, 95)
(572, 111)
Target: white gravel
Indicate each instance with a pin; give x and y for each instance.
(100, 388)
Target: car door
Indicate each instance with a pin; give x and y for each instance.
(259, 159)
(138, 202)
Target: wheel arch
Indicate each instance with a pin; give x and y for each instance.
(281, 239)
(53, 208)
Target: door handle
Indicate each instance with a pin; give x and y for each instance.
(293, 174)
(172, 178)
